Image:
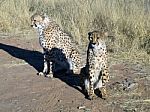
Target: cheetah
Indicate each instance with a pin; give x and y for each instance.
(95, 73)
(58, 46)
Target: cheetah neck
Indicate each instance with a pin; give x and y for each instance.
(98, 48)
(41, 36)
(40, 31)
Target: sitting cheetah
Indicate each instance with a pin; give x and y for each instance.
(95, 73)
(58, 46)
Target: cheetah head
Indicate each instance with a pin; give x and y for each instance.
(97, 37)
(39, 21)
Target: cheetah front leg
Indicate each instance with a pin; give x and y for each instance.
(91, 94)
(47, 70)
(105, 79)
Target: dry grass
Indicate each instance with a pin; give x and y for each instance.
(127, 21)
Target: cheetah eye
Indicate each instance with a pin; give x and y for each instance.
(98, 37)
(34, 20)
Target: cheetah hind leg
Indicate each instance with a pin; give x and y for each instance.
(75, 61)
(73, 67)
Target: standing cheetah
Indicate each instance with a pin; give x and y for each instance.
(95, 73)
(58, 46)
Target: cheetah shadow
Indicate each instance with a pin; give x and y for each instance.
(60, 68)
(35, 59)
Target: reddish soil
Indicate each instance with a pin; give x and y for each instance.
(21, 90)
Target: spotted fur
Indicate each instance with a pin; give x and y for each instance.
(96, 71)
(57, 45)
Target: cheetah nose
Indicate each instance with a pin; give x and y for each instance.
(94, 43)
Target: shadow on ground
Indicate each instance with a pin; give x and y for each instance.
(35, 59)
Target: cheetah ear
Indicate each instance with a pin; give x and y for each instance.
(89, 34)
(45, 15)
(106, 34)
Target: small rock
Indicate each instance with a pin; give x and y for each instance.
(59, 100)
(129, 84)
(132, 86)
(87, 110)
(81, 107)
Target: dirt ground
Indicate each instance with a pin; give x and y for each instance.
(21, 90)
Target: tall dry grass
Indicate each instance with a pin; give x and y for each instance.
(128, 21)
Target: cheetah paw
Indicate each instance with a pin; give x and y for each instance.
(49, 75)
(104, 96)
(40, 74)
(92, 97)
(103, 93)
(76, 71)
(46, 75)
